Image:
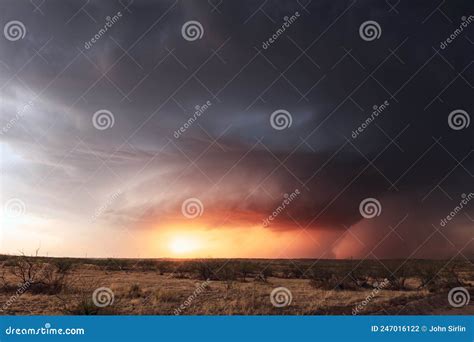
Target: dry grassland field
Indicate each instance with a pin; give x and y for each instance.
(67, 286)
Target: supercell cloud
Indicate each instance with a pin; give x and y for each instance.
(92, 96)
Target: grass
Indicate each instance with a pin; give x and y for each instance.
(232, 287)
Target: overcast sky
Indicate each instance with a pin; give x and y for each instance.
(97, 159)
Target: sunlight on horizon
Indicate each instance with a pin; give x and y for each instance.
(181, 245)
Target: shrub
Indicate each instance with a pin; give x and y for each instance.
(81, 303)
(52, 280)
(244, 269)
(263, 275)
(167, 296)
(40, 277)
(227, 273)
(342, 279)
(5, 286)
(147, 265)
(27, 270)
(63, 266)
(117, 265)
(85, 306)
(398, 275)
(429, 276)
(135, 291)
(205, 272)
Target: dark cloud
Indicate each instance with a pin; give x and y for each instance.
(319, 70)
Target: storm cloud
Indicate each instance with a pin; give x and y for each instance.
(365, 118)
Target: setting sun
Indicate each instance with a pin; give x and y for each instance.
(182, 245)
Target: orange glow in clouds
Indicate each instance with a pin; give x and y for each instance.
(182, 245)
(200, 241)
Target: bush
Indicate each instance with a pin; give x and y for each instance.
(52, 280)
(244, 269)
(435, 278)
(167, 296)
(41, 278)
(398, 275)
(27, 270)
(63, 266)
(81, 303)
(263, 275)
(84, 306)
(117, 265)
(341, 279)
(205, 272)
(147, 265)
(135, 291)
(5, 286)
(429, 276)
(227, 273)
